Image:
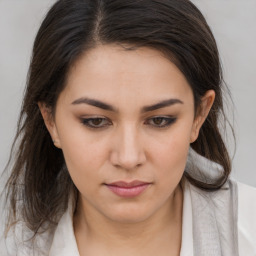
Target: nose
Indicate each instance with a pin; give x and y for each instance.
(127, 150)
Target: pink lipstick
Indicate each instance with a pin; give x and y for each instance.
(128, 189)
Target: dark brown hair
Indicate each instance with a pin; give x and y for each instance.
(39, 185)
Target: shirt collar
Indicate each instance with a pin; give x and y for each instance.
(187, 228)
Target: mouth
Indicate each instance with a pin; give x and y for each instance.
(128, 189)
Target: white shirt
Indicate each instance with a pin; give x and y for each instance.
(64, 242)
(246, 222)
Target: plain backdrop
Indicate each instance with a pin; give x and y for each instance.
(233, 24)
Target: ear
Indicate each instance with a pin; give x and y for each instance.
(202, 113)
(47, 115)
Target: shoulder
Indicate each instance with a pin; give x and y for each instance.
(246, 219)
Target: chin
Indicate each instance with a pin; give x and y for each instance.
(128, 214)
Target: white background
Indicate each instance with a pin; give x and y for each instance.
(234, 26)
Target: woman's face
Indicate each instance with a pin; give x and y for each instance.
(125, 121)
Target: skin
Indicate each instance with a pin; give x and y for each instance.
(130, 144)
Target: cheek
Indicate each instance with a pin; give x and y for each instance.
(84, 163)
(171, 156)
(84, 155)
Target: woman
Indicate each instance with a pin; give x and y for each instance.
(119, 147)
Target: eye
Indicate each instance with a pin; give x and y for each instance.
(160, 121)
(96, 122)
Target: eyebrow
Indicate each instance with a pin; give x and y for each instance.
(95, 103)
(105, 106)
(161, 104)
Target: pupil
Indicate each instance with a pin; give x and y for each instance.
(97, 121)
(158, 120)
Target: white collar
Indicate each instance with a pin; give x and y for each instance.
(64, 241)
(187, 228)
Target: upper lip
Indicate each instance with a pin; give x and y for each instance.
(125, 184)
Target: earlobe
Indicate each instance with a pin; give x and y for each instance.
(49, 122)
(203, 110)
(195, 130)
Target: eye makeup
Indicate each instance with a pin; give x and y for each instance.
(161, 121)
(96, 122)
(99, 122)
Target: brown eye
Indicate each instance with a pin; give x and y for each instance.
(97, 122)
(160, 121)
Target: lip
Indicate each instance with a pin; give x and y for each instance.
(128, 189)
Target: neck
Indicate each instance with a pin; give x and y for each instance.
(161, 229)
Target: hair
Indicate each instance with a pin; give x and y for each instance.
(39, 185)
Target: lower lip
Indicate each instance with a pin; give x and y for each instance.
(128, 192)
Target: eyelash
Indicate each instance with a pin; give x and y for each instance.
(88, 122)
(168, 121)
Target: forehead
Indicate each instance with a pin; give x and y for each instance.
(112, 72)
